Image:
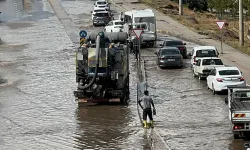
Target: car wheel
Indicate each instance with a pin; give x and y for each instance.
(200, 78)
(214, 92)
(236, 136)
(194, 75)
(208, 87)
(111, 31)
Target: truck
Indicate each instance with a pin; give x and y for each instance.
(205, 65)
(238, 101)
(102, 72)
(145, 17)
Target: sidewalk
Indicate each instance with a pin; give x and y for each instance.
(167, 25)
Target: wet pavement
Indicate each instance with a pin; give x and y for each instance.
(37, 107)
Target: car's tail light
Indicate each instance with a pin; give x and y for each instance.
(242, 79)
(162, 58)
(219, 79)
(194, 58)
(238, 126)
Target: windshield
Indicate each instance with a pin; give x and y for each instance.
(171, 43)
(211, 62)
(140, 26)
(101, 14)
(119, 23)
(242, 96)
(229, 72)
(101, 3)
(145, 19)
(169, 52)
(206, 53)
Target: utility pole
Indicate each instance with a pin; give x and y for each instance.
(241, 23)
(180, 7)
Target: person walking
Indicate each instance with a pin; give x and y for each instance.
(147, 110)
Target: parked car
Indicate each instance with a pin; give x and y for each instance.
(176, 43)
(97, 9)
(114, 26)
(201, 52)
(102, 4)
(169, 56)
(205, 65)
(221, 77)
(101, 18)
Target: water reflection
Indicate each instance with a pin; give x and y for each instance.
(102, 126)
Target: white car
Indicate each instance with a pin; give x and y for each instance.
(202, 51)
(97, 9)
(205, 65)
(102, 4)
(221, 77)
(114, 26)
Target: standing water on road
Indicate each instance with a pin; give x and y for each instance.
(37, 108)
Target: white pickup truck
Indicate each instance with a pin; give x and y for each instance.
(238, 101)
(205, 65)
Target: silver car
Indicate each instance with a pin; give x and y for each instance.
(169, 57)
(101, 18)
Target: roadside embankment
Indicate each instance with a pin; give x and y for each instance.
(168, 25)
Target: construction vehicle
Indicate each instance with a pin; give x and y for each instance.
(102, 69)
(238, 101)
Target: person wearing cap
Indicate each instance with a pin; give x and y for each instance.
(147, 110)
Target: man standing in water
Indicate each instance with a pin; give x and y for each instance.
(147, 111)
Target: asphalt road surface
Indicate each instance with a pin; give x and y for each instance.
(37, 107)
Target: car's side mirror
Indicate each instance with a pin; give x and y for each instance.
(91, 12)
(155, 53)
(185, 43)
(109, 3)
(189, 54)
(161, 45)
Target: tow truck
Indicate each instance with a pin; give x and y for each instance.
(238, 101)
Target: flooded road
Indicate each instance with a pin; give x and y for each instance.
(37, 107)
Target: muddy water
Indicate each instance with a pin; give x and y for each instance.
(190, 116)
(37, 108)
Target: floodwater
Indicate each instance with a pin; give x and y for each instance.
(37, 107)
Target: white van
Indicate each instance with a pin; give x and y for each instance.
(202, 51)
(142, 16)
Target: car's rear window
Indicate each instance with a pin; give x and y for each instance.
(171, 43)
(169, 51)
(229, 72)
(242, 95)
(101, 14)
(119, 23)
(211, 62)
(206, 53)
(101, 3)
